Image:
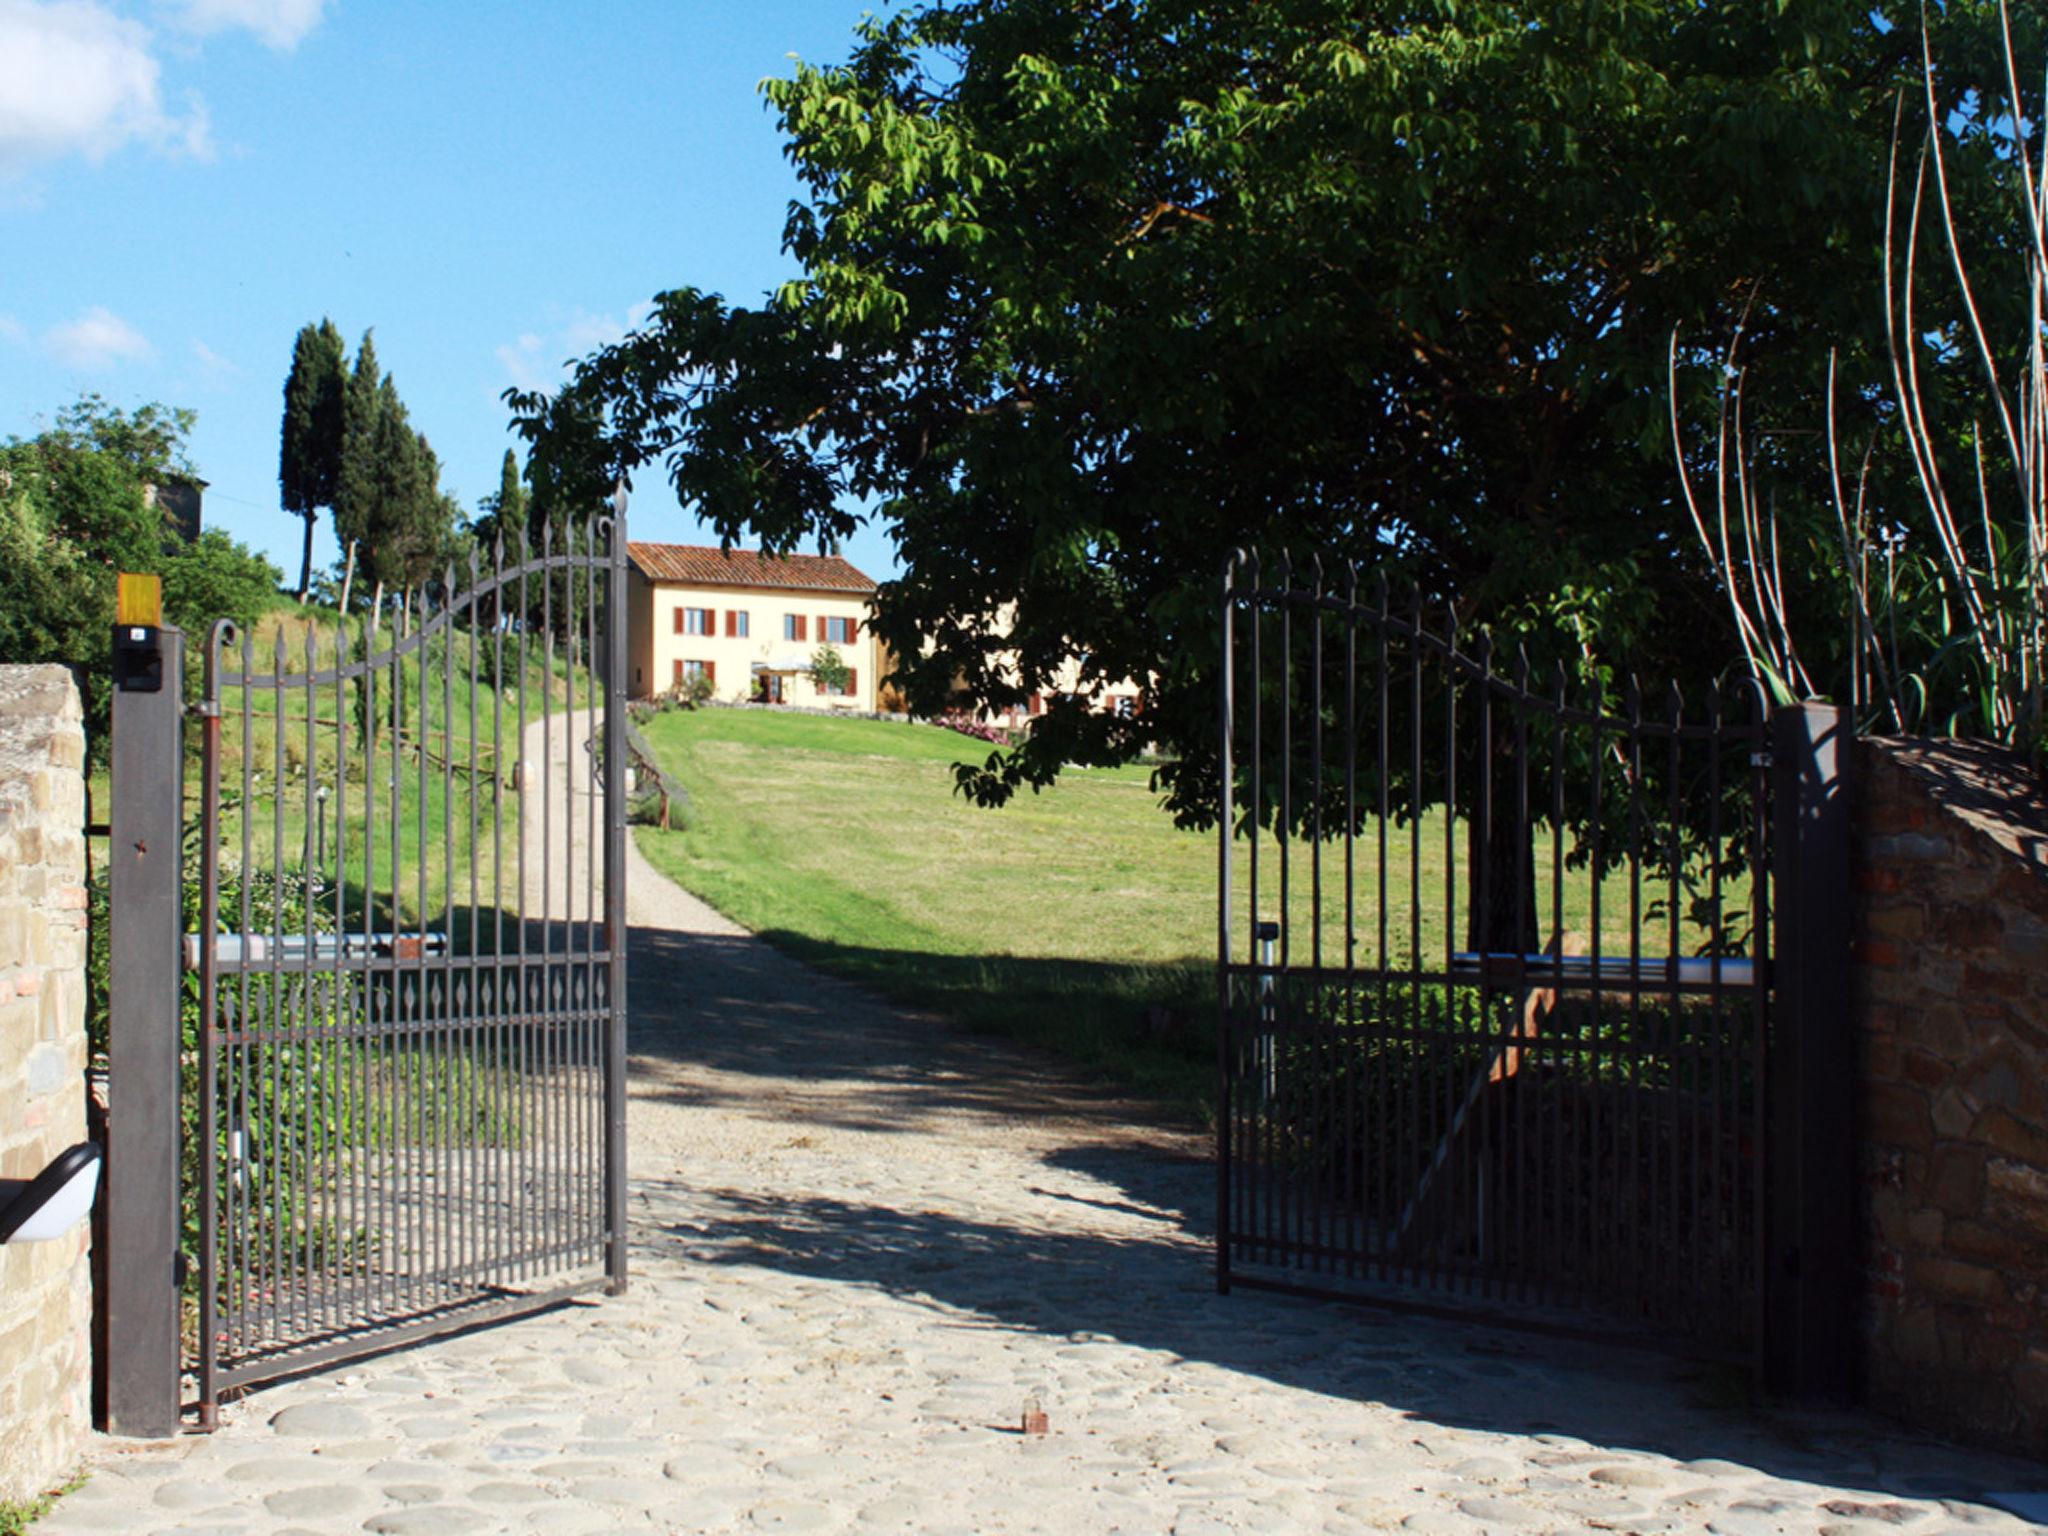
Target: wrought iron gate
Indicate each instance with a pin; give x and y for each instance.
(1494, 997)
(409, 1106)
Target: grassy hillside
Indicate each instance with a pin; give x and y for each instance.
(1059, 919)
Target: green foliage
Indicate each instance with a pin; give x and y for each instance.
(829, 672)
(309, 456)
(17, 1516)
(215, 577)
(1091, 295)
(76, 509)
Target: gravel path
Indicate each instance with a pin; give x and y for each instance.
(863, 1243)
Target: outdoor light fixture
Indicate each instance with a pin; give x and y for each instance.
(54, 1201)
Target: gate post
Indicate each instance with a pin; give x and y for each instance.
(139, 1367)
(1809, 1285)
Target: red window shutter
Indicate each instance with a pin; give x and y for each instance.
(732, 624)
(852, 681)
(679, 672)
(1037, 703)
(852, 630)
(711, 673)
(801, 623)
(679, 621)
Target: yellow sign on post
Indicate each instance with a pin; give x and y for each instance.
(139, 600)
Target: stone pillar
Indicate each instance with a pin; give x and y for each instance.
(45, 1288)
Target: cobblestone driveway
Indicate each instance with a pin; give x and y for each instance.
(862, 1243)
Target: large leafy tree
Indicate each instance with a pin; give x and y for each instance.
(1091, 294)
(309, 455)
(75, 509)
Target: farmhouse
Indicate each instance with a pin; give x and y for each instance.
(749, 624)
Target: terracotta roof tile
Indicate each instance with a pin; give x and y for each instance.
(700, 566)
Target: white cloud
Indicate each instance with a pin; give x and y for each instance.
(96, 340)
(77, 79)
(536, 362)
(211, 363)
(279, 23)
(522, 364)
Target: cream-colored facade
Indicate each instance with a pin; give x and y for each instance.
(750, 624)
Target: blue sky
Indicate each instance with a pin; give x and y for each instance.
(183, 183)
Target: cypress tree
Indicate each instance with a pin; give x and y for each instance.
(309, 456)
(355, 489)
(509, 511)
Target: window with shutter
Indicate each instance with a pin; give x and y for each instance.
(852, 630)
(679, 621)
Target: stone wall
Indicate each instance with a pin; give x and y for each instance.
(45, 1288)
(1952, 844)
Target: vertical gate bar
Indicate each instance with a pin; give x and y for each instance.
(455, 1059)
(1762, 1027)
(1412, 1131)
(475, 1117)
(1529, 1061)
(208, 1158)
(1226, 714)
(521, 1166)
(1635, 1232)
(1688, 1257)
(617, 935)
(1316, 1196)
(396, 1272)
(1375, 1084)
(545, 1227)
(319, 1294)
(427, 1040)
(377, 1129)
(284, 1282)
(1569, 1244)
(1288, 1207)
(347, 1107)
(1253, 1129)
(242, 1136)
(1480, 894)
(1440, 1271)
(500, 1146)
(1727, 1267)
(1350, 1079)
(1600, 1213)
(595, 1202)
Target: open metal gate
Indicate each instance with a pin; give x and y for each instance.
(1494, 976)
(409, 1106)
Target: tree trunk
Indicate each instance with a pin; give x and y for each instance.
(348, 576)
(306, 557)
(1500, 866)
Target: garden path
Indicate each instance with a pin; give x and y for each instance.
(863, 1243)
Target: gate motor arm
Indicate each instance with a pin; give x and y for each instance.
(54, 1201)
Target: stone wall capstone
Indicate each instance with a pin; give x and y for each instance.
(1952, 1030)
(45, 1288)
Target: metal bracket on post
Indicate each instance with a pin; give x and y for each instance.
(1810, 1289)
(139, 1368)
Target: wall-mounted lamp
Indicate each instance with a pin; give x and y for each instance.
(54, 1201)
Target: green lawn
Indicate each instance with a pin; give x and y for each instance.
(1059, 919)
